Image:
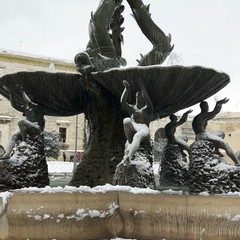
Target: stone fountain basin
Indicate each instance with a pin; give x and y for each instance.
(66, 94)
(125, 213)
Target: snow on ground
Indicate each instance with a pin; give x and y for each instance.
(60, 167)
(67, 167)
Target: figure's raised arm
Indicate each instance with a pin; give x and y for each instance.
(26, 98)
(218, 107)
(13, 102)
(184, 117)
(147, 99)
(125, 95)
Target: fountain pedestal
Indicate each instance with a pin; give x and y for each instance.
(210, 172)
(139, 171)
(173, 168)
(27, 167)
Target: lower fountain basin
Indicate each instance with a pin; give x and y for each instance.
(128, 214)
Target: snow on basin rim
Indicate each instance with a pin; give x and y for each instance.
(97, 189)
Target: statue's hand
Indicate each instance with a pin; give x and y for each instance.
(126, 84)
(189, 111)
(223, 101)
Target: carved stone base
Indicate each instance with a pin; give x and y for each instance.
(27, 167)
(173, 169)
(139, 172)
(158, 149)
(209, 172)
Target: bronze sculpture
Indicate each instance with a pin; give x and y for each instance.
(173, 168)
(136, 128)
(31, 123)
(170, 130)
(209, 171)
(199, 125)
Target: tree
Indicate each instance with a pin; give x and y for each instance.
(52, 144)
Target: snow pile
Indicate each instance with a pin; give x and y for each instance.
(86, 189)
(173, 192)
(5, 197)
(80, 214)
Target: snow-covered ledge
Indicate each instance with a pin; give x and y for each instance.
(108, 212)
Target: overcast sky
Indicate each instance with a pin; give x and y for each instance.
(204, 32)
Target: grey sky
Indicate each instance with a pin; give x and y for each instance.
(204, 32)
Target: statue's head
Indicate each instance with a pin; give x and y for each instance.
(83, 63)
(204, 106)
(173, 118)
(82, 58)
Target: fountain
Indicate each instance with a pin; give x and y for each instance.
(96, 91)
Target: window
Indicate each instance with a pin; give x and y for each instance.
(63, 134)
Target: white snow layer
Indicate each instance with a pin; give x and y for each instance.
(81, 189)
(67, 167)
(5, 197)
